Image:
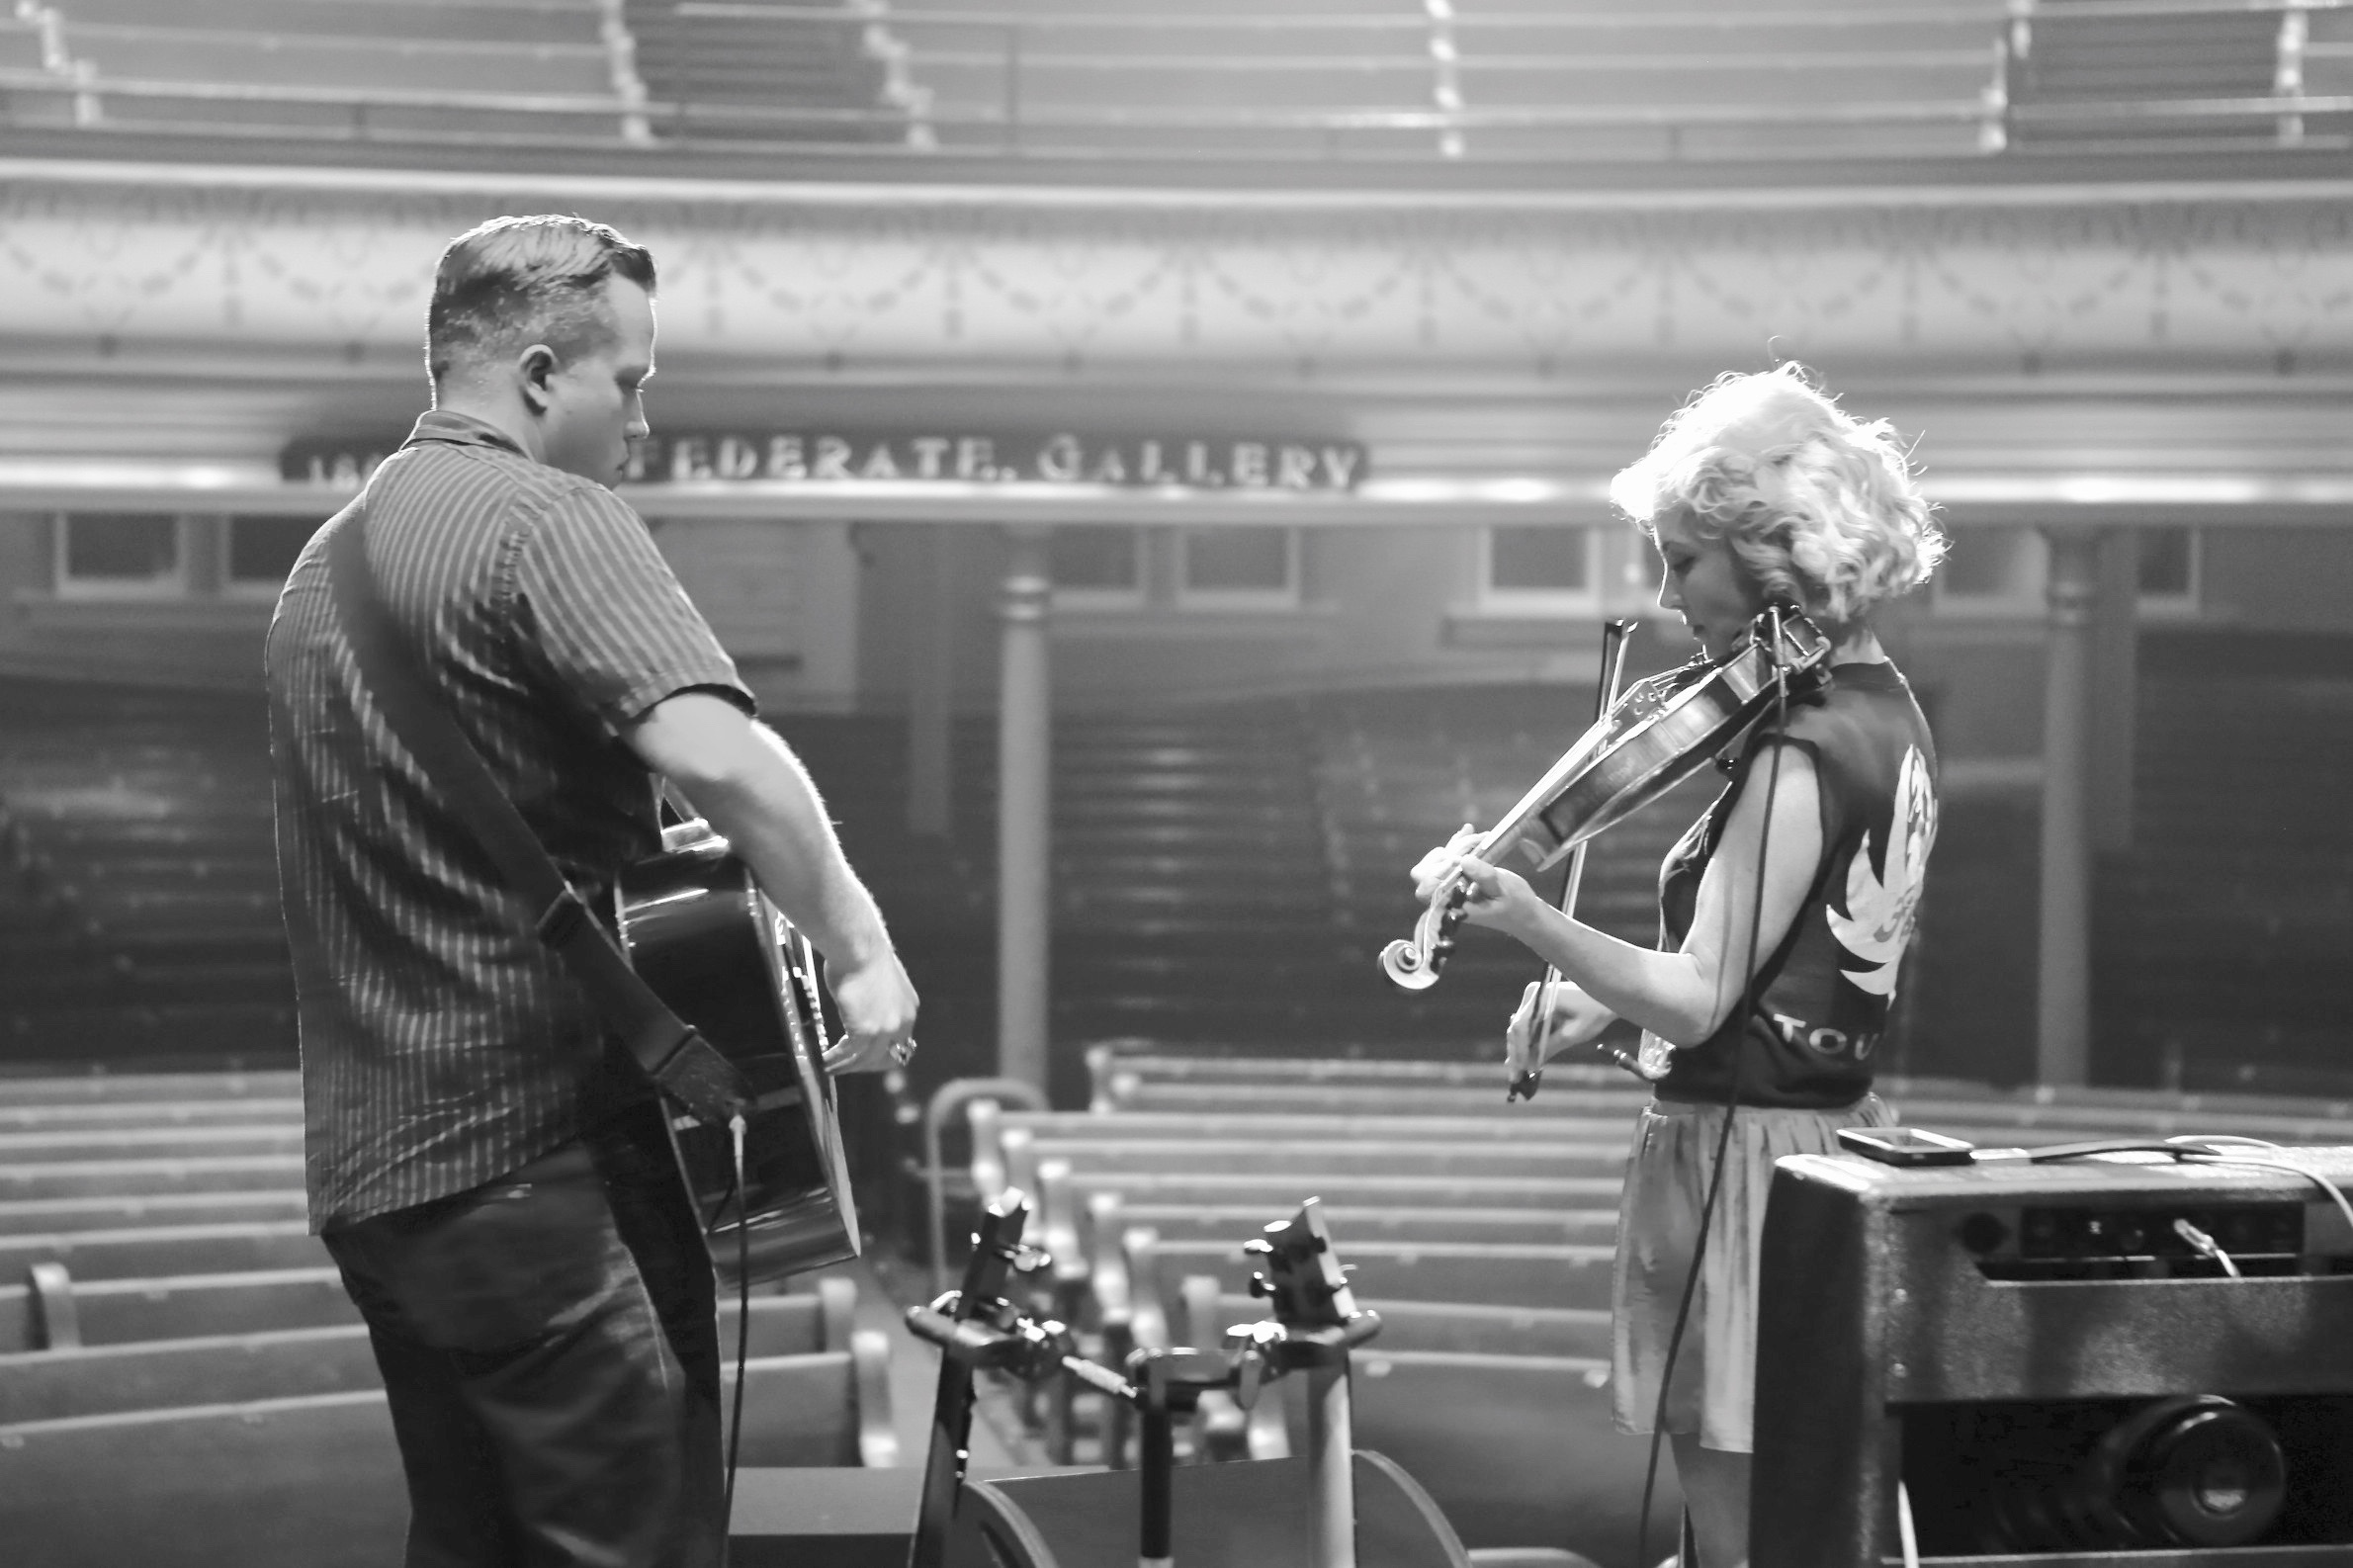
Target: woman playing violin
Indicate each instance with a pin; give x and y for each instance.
(1783, 912)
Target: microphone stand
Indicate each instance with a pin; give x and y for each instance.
(1525, 1082)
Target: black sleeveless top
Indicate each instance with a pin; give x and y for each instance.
(1825, 994)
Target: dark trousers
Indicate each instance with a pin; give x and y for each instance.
(549, 1346)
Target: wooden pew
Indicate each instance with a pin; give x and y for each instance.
(1082, 1216)
(1280, 1195)
(1144, 1062)
(155, 1374)
(161, 1374)
(314, 1481)
(1123, 1080)
(195, 1306)
(1334, 1158)
(1167, 1084)
(1065, 1178)
(52, 1216)
(1990, 1121)
(81, 1178)
(120, 1311)
(156, 1252)
(167, 1141)
(1246, 1122)
(97, 1088)
(1353, 1225)
(1145, 1097)
(1525, 1275)
(107, 1115)
(1478, 1327)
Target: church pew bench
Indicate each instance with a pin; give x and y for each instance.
(55, 1216)
(156, 1252)
(1200, 1318)
(75, 1179)
(105, 1115)
(1528, 1275)
(221, 1369)
(187, 1141)
(118, 1311)
(1280, 1195)
(1086, 1155)
(1245, 1120)
(1352, 1225)
(165, 1089)
(52, 1309)
(1158, 1083)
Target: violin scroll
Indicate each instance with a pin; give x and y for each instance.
(1413, 962)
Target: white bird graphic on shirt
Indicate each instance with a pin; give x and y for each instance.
(1882, 908)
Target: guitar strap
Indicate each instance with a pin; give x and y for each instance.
(674, 1055)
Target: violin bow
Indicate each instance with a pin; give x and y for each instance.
(1613, 664)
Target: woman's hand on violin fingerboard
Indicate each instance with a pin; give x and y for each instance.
(1436, 868)
(1497, 898)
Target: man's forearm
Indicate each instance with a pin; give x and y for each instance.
(769, 809)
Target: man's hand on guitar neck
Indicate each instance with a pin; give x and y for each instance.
(746, 783)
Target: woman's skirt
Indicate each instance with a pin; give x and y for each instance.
(1658, 1225)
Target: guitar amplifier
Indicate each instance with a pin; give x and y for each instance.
(2121, 1355)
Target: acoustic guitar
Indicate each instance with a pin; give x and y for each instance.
(719, 952)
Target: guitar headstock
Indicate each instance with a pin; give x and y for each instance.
(1300, 1273)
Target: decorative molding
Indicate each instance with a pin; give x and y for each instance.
(1971, 284)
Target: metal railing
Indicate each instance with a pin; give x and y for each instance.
(1404, 119)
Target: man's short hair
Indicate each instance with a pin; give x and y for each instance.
(514, 282)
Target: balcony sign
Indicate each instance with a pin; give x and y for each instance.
(804, 456)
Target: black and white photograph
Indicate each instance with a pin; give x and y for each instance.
(1182, 783)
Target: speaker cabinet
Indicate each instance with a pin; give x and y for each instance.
(2056, 1361)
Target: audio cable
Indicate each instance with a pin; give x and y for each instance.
(2205, 1246)
(1751, 993)
(741, 1197)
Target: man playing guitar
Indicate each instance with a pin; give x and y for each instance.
(492, 1175)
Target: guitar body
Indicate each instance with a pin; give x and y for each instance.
(722, 956)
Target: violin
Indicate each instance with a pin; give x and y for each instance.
(1660, 733)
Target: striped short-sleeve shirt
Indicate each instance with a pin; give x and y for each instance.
(443, 1045)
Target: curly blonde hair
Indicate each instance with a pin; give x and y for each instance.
(1820, 508)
